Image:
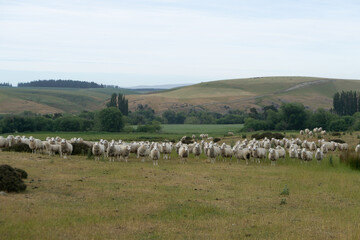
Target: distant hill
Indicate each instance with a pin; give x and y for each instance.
(54, 100)
(243, 94)
(219, 96)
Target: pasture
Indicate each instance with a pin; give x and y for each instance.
(79, 198)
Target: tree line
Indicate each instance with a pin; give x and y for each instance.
(61, 84)
(346, 103)
(4, 84)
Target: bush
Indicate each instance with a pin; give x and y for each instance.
(336, 134)
(269, 135)
(23, 174)
(80, 149)
(351, 159)
(187, 140)
(10, 179)
(18, 147)
(217, 140)
(337, 140)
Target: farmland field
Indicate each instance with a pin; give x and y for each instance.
(79, 198)
(168, 131)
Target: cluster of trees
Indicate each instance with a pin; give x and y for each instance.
(5, 84)
(61, 84)
(120, 102)
(294, 116)
(346, 103)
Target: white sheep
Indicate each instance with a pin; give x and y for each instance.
(184, 153)
(306, 155)
(167, 149)
(243, 154)
(65, 148)
(155, 155)
(98, 150)
(35, 144)
(259, 153)
(281, 152)
(197, 150)
(319, 155)
(143, 151)
(125, 152)
(357, 148)
(273, 156)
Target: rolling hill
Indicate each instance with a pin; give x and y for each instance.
(216, 96)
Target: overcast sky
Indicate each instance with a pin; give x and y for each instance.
(150, 42)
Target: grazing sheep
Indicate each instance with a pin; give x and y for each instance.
(323, 132)
(184, 153)
(155, 155)
(281, 152)
(35, 144)
(301, 132)
(306, 155)
(259, 153)
(143, 151)
(125, 152)
(273, 156)
(226, 151)
(324, 148)
(312, 146)
(65, 148)
(319, 155)
(230, 133)
(357, 148)
(307, 131)
(293, 153)
(52, 147)
(197, 150)
(243, 154)
(167, 149)
(343, 146)
(98, 150)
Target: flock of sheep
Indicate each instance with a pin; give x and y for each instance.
(255, 150)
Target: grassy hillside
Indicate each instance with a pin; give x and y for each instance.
(51, 100)
(216, 96)
(245, 93)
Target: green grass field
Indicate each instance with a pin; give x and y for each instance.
(83, 199)
(168, 131)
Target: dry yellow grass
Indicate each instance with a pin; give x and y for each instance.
(84, 199)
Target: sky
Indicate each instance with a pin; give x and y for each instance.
(154, 42)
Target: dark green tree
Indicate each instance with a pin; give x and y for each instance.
(111, 119)
(113, 101)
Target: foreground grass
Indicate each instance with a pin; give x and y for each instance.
(84, 199)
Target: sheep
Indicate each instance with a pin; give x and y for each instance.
(343, 146)
(65, 148)
(3, 143)
(357, 148)
(35, 144)
(197, 150)
(98, 150)
(273, 156)
(323, 132)
(293, 153)
(243, 154)
(193, 136)
(113, 151)
(125, 151)
(324, 148)
(52, 147)
(312, 146)
(155, 155)
(319, 155)
(226, 151)
(230, 134)
(167, 148)
(301, 132)
(306, 155)
(267, 145)
(281, 152)
(184, 153)
(11, 140)
(306, 131)
(211, 154)
(177, 146)
(143, 151)
(259, 153)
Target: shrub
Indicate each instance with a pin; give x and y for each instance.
(269, 135)
(243, 136)
(336, 134)
(10, 179)
(217, 140)
(18, 147)
(187, 140)
(80, 149)
(285, 191)
(337, 140)
(351, 159)
(23, 174)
